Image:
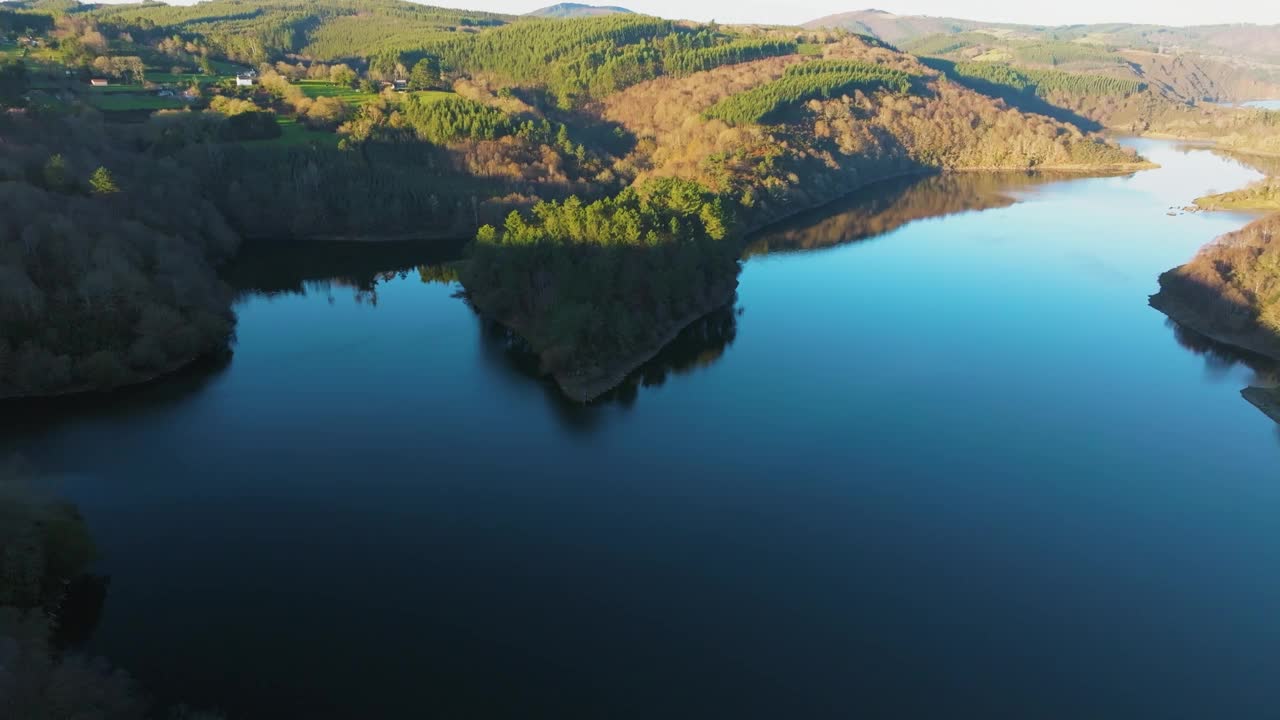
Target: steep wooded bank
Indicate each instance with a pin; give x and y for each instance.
(1231, 290)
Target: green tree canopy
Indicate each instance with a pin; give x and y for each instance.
(103, 182)
(425, 74)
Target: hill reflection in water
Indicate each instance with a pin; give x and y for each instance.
(1220, 358)
(281, 268)
(887, 206)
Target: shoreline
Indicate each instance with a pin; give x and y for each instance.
(1185, 314)
(144, 380)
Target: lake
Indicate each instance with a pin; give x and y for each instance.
(1264, 104)
(939, 459)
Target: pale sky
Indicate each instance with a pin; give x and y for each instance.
(792, 12)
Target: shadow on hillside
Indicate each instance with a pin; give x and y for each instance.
(1026, 101)
(588, 127)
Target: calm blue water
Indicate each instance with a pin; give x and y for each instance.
(955, 470)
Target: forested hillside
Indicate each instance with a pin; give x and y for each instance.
(611, 165)
(106, 262)
(1225, 63)
(267, 30)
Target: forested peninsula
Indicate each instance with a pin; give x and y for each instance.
(607, 169)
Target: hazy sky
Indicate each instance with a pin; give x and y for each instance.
(1170, 12)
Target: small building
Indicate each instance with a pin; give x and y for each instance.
(99, 82)
(402, 85)
(245, 79)
(164, 93)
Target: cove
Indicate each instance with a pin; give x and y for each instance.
(939, 458)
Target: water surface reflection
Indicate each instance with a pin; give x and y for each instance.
(885, 207)
(1221, 359)
(266, 268)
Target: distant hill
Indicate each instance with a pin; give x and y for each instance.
(895, 28)
(1257, 43)
(578, 10)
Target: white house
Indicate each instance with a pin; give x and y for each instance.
(244, 80)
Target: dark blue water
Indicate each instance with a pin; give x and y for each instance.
(959, 469)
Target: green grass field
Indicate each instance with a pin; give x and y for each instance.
(319, 88)
(221, 71)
